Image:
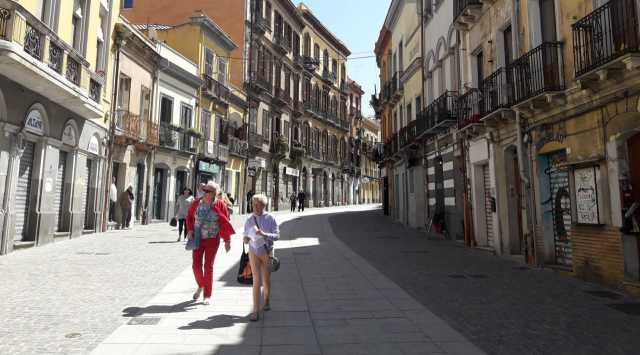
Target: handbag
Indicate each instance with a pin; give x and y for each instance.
(194, 242)
(274, 263)
(173, 222)
(245, 276)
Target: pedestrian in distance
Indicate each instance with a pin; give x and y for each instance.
(182, 209)
(260, 232)
(208, 222)
(126, 201)
(293, 199)
(113, 198)
(301, 200)
(249, 196)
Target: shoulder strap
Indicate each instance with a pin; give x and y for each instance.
(255, 220)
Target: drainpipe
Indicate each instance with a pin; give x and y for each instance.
(422, 106)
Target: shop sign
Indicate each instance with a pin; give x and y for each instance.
(69, 136)
(586, 187)
(205, 167)
(257, 163)
(94, 146)
(34, 123)
(292, 172)
(551, 133)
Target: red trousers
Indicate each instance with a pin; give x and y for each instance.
(208, 249)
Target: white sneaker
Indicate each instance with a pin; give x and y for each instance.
(206, 301)
(196, 294)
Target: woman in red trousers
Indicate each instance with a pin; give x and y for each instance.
(208, 220)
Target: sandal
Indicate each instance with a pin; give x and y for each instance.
(254, 317)
(267, 306)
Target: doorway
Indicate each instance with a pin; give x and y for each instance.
(160, 177)
(139, 190)
(514, 202)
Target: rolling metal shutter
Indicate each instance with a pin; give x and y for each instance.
(59, 197)
(87, 210)
(488, 208)
(23, 190)
(561, 211)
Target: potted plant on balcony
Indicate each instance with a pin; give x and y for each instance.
(193, 132)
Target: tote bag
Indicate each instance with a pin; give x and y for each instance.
(245, 276)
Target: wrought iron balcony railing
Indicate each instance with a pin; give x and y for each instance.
(538, 71)
(177, 138)
(607, 33)
(497, 91)
(255, 141)
(469, 108)
(282, 43)
(216, 89)
(238, 147)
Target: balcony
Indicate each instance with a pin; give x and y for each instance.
(279, 145)
(216, 90)
(33, 55)
(397, 88)
(298, 60)
(407, 134)
(281, 98)
(216, 151)
(310, 63)
(260, 84)
(328, 76)
(538, 73)
(315, 154)
(466, 12)
(238, 147)
(440, 115)
(606, 39)
(282, 44)
(261, 25)
(134, 130)
(298, 108)
(497, 94)
(177, 138)
(312, 108)
(469, 108)
(297, 151)
(255, 142)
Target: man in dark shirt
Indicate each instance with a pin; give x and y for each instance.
(301, 197)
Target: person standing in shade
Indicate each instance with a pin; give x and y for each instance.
(182, 208)
(293, 199)
(208, 222)
(301, 198)
(249, 196)
(113, 198)
(126, 199)
(260, 232)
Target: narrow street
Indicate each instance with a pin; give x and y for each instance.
(376, 289)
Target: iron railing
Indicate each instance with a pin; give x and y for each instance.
(216, 89)
(538, 71)
(255, 140)
(238, 147)
(442, 110)
(607, 33)
(497, 91)
(459, 6)
(469, 108)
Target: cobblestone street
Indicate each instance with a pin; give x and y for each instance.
(377, 289)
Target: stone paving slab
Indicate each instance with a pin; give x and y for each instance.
(325, 300)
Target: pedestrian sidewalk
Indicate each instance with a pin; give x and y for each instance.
(325, 300)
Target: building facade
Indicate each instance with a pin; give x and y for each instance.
(55, 95)
(527, 83)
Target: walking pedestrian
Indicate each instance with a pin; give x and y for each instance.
(249, 196)
(182, 209)
(301, 200)
(293, 199)
(208, 221)
(113, 198)
(260, 231)
(126, 199)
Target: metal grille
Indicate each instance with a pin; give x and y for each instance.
(23, 190)
(487, 204)
(561, 212)
(59, 196)
(86, 206)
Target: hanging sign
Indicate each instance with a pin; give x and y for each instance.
(34, 123)
(586, 188)
(292, 172)
(69, 136)
(94, 146)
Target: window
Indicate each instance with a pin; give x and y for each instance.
(127, 4)
(78, 21)
(265, 123)
(221, 125)
(334, 67)
(325, 60)
(296, 45)
(279, 27)
(222, 71)
(286, 130)
(166, 110)
(400, 57)
(50, 13)
(409, 113)
(479, 69)
(186, 112)
(145, 103)
(102, 34)
(267, 13)
(278, 80)
(208, 62)
(316, 52)
(205, 124)
(508, 45)
(124, 93)
(288, 35)
(418, 104)
(253, 120)
(287, 82)
(307, 45)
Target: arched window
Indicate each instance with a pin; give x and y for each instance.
(316, 52)
(325, 60)
(307, 45)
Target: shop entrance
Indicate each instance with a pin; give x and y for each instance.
(557, 204)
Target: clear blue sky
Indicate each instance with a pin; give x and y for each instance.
(357, 23)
